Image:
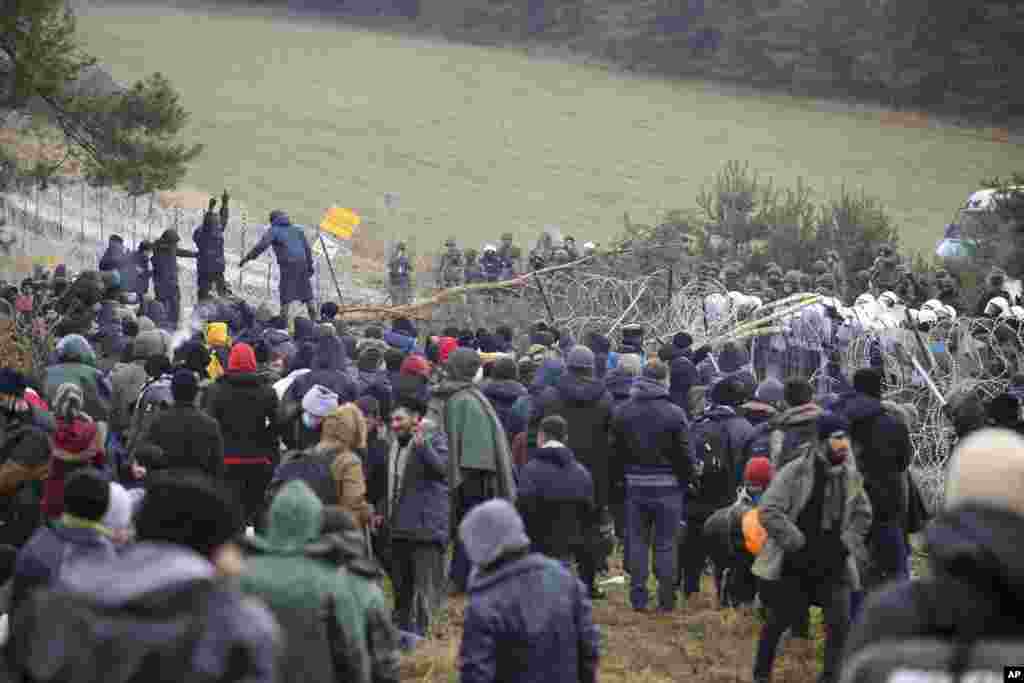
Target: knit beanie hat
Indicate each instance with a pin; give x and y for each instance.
(86, 494)
(491, 530)
(682, 340)
(242, 358)
(69, 401)
(328, 310)
(369, 359)
(988, 468)
(830, 423)
(868, 381)
(770, 391)
(119, 512)
(758, 473)
(217, 334)
(580, 358)
(415, 364)
(727, 392)
(187, 509)
(505, 368)
(463, 364)
(320, 401)
(12, 382)
(345, 427)
(630, 364)
(184, 386)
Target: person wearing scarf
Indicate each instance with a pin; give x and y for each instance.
(817, 515)
(480, 457)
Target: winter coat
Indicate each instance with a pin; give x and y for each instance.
(189, 438)
(151, 600)
(127, 380)
(587, 406)
(556, 500)
(403, 343)
(312, 466)
(375, 383)
(737, 432)
(165, 265)
(50, 551)
(375, 466)
(117, 258)
(682, 376)
(24, 466)
(785, 499)
(619, 385)
(975, 589)
(528, 621)
(245, 406)
(209, 241)
(479, 452)
(350, 486)
(143, 274)
(294, 258)
(792, 428)
(76, 363)
(329, 369)
(422, 507)
(503, 395)
(882, 445)
(649, 439)
(297, 589)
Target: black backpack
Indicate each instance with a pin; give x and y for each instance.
(713, 486)
(154, 397)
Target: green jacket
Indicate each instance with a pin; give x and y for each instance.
(355, 643)
(785, 499)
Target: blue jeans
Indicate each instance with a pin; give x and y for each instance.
(653, 512)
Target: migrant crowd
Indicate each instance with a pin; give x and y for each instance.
(225, 503)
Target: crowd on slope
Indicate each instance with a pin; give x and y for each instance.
(226, 504)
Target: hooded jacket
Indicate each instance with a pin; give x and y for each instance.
(883, 449)
(189, 438)
(528, 620)
(127, 380)
(76, 364)
(649, 439)
(503, 395)
(53, 548)
(974, 592)
(329, 368)
(245, 405)
(149, 601)
(587, 406)
(294, 258)
(556, 501)
(165, 264)
(682, 376)
(297, 588)
(117, 258)
(209, 241)
(792, 428)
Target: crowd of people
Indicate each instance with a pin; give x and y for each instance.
(224, 500)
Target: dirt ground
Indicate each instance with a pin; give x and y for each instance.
(697, 643)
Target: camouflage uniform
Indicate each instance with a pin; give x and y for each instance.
(472, 272)
(400, 276)
(449, 271)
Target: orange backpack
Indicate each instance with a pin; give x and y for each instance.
(754, 535)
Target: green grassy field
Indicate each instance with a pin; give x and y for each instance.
(476, 141)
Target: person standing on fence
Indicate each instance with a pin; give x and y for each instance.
(117, 259)
(209, 240)
(294, 258)
(400, 271)
(165, 272)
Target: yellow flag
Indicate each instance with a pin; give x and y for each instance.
(341, 223)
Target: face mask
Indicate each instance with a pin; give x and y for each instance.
(311, 421)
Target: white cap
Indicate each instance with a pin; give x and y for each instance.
(998, 306)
